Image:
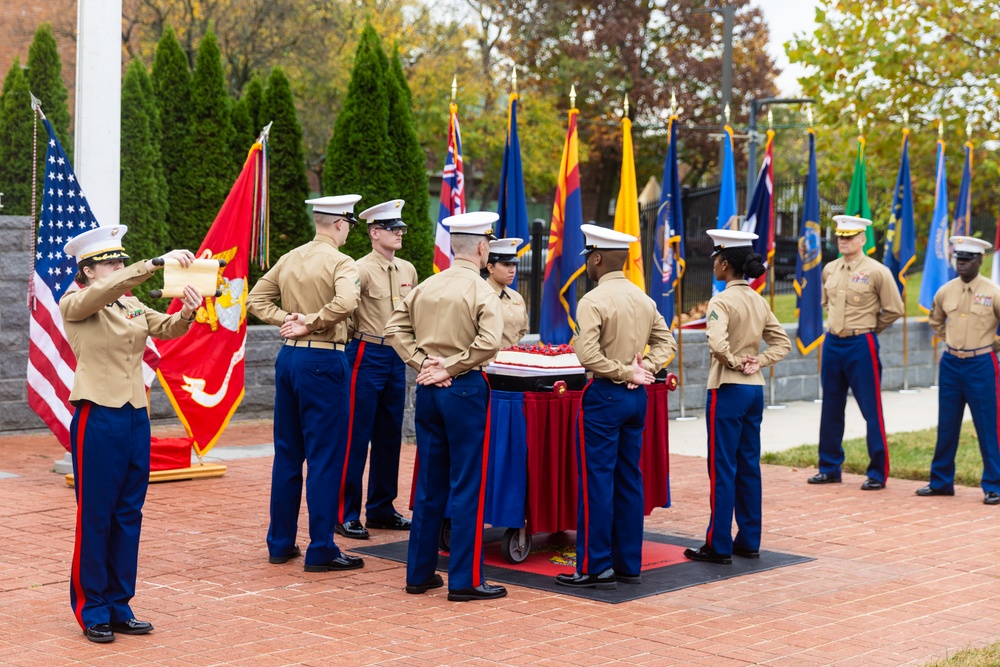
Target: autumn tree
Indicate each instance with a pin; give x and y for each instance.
(936, 61)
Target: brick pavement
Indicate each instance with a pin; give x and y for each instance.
(897, 580)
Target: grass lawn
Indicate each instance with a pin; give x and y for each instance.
(988, 656)
(909, 456)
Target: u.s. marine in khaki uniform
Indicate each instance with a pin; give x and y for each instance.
(965, 315)
(109, 433)
(317, 286)
(502, 268)
(861, 300)
(738, 320)
(378, 379)
(616, 322)
(448, 329)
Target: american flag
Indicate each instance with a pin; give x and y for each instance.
(65, 213)
(452, 193)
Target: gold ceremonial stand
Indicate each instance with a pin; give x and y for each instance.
(203, 471)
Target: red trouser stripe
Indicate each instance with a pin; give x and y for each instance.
(878, 400)
(711, 465)
(81, 430)
(477, 546)
(350, 431)
(996, 378)
(583, 488)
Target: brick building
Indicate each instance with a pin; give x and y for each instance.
(18, 21)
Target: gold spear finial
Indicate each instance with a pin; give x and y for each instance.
(906, 117)
(513, 78)
(727, 114)
(809, 114)
(673, 103)
(626, 105)
(941, 129)
(861, 125)
(770, 119)
(454, 87)
(572, 96)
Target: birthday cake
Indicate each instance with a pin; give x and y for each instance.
(538, 358)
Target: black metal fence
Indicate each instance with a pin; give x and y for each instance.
(700, 214)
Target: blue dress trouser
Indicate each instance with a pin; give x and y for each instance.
(453, 453)
(310, 424)
(377, 394)
(733, 420)
(853, 363)
(610, 508)
(110, 448)
(973, 381)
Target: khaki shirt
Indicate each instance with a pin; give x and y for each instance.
(738, 318)
(107, 331)
(515, 315)
(453, 314)
(860, 296)
(966, 315)
(384, 285)
(316, 280)
(616, 320)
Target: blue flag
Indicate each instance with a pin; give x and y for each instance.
(937, 258)
(668, 251)
(809, 264)
(512, 207)
(727, 196)
(901, 236)
(963, 207)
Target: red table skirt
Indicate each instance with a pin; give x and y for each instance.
(551, 503)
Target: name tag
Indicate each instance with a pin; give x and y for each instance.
(982, 300)
(859, 277)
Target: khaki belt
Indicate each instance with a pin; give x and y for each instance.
(968, 354)
(368, 338)
(849, 333)
(318, 344)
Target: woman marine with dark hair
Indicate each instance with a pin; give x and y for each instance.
(738, 319)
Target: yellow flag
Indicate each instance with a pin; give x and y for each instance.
(627, 209)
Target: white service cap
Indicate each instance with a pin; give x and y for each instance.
(342, 205)
(477, 223)
(505, 248)
(730, 238)
(849, 225)
(100, 245)
(969, 245)
(387, 214)
(602, 238)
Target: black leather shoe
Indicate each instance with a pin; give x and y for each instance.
(931, 491)
(705, 554)
(397, 522)
(281, 560)
(341, 562)
(100, 633)
(434, 582)
(745, 553)
(991, 498)
(872, 485)
(484, 592)
(628, 578)
(823, 478)
(352, 529)
(132, 627)
(604, 581)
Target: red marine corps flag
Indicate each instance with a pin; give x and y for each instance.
(202, 372)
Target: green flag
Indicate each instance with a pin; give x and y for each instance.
(857, 200)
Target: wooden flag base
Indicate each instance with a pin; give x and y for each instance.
(177, 474)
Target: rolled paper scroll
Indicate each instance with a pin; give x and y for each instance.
(203, 275)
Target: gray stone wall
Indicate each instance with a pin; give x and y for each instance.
(795, 377)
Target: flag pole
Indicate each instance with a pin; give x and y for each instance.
(819, 374)
(680, 354)
(771, 404)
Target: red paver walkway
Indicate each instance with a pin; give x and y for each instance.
(898, 580)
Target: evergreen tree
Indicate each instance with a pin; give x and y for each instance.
(410, 168)
(16, 145)
(254, 96)
(210, 171)
(171, 81)
(45, 82)
(291, 225)
(156, 137)
(358, 155)
(143, 204)
(243, 132)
